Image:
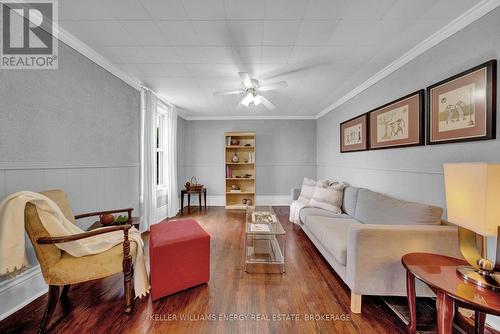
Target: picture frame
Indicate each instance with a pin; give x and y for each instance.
(354, 134)
(399, 123)
(462, 108)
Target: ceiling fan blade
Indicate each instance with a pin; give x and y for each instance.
(267, 103)
(228, 92)
(272, 86)
(245, 79)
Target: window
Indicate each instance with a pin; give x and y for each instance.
(161, 115)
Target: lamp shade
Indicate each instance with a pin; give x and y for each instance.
(473, 196)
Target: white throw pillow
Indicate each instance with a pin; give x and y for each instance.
(329, 198)
(307, 190)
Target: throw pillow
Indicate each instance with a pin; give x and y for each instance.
(307, 190)
(329, 198)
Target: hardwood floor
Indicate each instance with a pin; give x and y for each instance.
(309, 287)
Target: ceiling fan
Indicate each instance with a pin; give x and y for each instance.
(251, 89)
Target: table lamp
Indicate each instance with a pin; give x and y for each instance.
(473, 203)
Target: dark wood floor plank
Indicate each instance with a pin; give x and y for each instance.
(308, 287)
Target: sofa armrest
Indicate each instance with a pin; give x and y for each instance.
(295, 193)
(374, 255)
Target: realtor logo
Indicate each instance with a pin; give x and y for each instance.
(29, 40)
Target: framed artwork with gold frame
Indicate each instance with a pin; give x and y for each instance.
(399, 123)
(463, 107)
(354, 134)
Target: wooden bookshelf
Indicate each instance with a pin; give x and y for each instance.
(245, 151)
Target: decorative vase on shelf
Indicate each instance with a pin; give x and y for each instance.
(235, 158)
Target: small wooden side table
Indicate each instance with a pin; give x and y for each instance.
(203, 192)
(439, 272)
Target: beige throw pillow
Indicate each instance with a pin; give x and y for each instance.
(329, 197)
(307, 190)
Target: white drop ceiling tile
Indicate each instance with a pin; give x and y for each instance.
(409, 9)
(161, 54)
(276, 54)
(349, 54)
(362, 9)
(91, 33)
(124, 9)
(163, 70)
(205, 9)
(143, 32)
(243, 9)
(212, 70)
(82, 10)
(247, 54)
(447, 9)
(245, 32)
(132, 70)
(305, 54)
(178, 32)
(165, 9)
(281, 32)
(285, 9)
(124, 54)
(218, 54)
(190, 54)
(386, 31)
(325, 9)
(211, 32)
(351, 32)
(315, 32)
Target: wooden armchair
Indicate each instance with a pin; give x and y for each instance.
(60, 269)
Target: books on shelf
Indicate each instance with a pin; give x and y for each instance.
(229, 172)
(235, 190)
(259, 228)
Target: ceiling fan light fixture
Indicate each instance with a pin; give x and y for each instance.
(247, 99)
(257, 100)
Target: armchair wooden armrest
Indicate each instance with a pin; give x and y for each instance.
(97, 213)
(73, 237)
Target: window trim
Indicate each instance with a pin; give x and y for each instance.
(161, 114)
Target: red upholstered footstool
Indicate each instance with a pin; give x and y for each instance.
(179, 254)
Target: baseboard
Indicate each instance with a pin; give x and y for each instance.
(21, 291)
(260, 200)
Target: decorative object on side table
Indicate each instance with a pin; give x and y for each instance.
(106, 219)
(193, 185)
(472, 200)
(398, 123)
(117, 221)
(354, 134)
(463, 107)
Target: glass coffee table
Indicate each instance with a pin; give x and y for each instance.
(265, 238)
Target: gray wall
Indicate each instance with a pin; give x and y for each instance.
(411, 173)
(285, 153)
(75, 128)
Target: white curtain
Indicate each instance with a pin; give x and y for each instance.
(171, 162)
(149, 103)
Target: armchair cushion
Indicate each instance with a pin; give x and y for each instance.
(71, 270)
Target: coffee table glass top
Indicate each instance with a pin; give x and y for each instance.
(262, 220)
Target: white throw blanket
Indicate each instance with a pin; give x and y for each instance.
(12, 248)
(295, 208)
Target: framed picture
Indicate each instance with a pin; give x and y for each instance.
(354, 134)
(463, 107)
(399, 123)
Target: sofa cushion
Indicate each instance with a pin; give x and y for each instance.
(306, 212)
(329, 197)
(332, 233)
(377, 208)
(349, 201)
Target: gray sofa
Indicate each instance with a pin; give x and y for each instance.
(365, 243)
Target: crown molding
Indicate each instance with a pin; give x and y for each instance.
(246, 118)
(473, 14)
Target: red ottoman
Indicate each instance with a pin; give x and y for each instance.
(179, 255)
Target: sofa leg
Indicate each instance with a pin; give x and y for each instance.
(356, 303)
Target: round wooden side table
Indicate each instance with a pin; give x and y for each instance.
(439, 272)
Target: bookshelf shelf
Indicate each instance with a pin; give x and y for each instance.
(242, 145)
